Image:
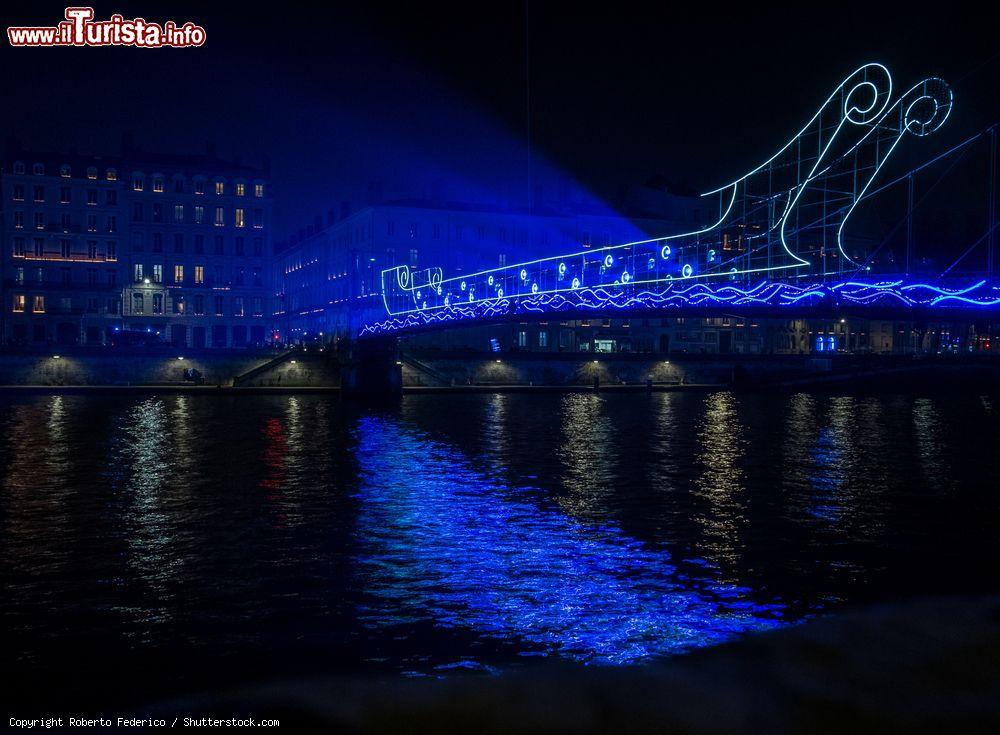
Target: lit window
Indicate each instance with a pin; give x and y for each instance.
(199, 274)
(137, 183)
(38, 304)
(91, 172)
(240, 221)
(19, 302)
(137, 303)
(543, 339)
(158, 185)
(111, 175)
(157, 273)
(258, 190)
(138, 272)
(178, 274)
(220, 188)
(241, 189)
(39, 221)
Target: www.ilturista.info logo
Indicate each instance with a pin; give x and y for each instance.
(80, 29)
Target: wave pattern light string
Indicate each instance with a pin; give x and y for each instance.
(977, 295)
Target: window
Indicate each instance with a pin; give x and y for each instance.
(238, 306)
(111, 175)
(522, 339)
(219, 245)
(65, 222)
(157, 303)
(18, 167)
(137, 212)
(199, 186)
(240, 221)
(91, 172)
(258, 246)
(91, 197)
(257, 280)
(91, 223)
(111, 276)
(64, 195)
(18, 195)
(178, 186)
(240, 275)
(19, 220)
(39, 193)
(178, 243)
(220, 217)
(199, 274)
(112, 223)
(111, 197)
(39, 221)
(19, 302)
(220, 188)
(199, 304)
(38, 245)
(157, 213)
(158, 273)
(199, 244)
(238, 246)
(64, 171)
(138, 302)
(258, 190)
(258, 218)
(92, 276)
(137, 183)
(38, 304)
(38, 169)
(137, 242)
(178, 274)
(92, 250)
(241, 189)
(158, 185)
(113, 303)
(19, 277)
(64, 246)
(112, 250)
(199, 215)
(543, 339)
(178, 213)
(138, 272)
(19, 247)
(157, 242)
(220, 303)
(258, 306)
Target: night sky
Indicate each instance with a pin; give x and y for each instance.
(430, 98)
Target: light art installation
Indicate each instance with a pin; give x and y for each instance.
(781, 223)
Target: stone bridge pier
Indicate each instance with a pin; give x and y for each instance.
(371, 369)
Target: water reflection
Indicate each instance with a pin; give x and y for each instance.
(587, 454)
(442, 543)
(721, 482)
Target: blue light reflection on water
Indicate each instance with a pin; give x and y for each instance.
(443, 542)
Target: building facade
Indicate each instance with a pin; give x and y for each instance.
(176, 246)
(329, 273)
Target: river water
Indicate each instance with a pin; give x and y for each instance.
(161, 544)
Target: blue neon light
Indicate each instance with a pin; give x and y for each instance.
(683, 293)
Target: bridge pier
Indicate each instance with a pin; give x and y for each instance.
(371, 370)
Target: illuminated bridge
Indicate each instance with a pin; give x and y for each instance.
(777, 242)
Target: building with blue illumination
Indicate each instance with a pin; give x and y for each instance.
(329, 272)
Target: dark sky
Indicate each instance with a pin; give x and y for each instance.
(431, 97)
